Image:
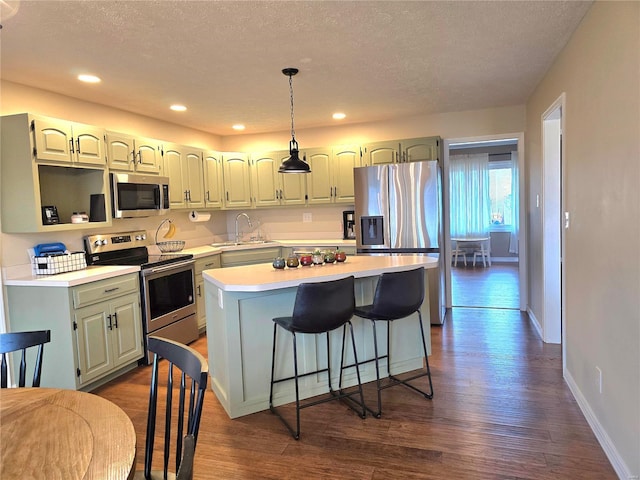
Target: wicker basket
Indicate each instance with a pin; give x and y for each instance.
(171, 246)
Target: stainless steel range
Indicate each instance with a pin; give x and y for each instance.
(166, 282)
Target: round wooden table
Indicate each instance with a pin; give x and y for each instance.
(48, 433)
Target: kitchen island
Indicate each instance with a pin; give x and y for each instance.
(240, 303)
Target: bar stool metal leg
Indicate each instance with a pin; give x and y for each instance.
(357, 406)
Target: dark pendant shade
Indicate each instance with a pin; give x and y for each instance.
(294, 164)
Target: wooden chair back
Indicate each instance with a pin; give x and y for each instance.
(15, 341)
(193, 371)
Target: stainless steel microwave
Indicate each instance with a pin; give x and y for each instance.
(139, 195)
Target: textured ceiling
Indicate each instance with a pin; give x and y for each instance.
(374, 60)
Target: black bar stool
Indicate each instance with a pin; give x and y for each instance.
(397, 295)
(319, 308)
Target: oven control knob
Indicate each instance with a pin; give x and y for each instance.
(98, 243)
(141, 237)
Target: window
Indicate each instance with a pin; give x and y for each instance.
(500, 195)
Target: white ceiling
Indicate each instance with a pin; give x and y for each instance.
(374, 60)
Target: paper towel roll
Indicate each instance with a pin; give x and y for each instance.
(199, 216)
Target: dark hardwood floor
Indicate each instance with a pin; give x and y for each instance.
(501, 410)
(494, 287)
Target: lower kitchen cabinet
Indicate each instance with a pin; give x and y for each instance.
(203, 263)
(249, 257)
(108, 335)
(96, 329)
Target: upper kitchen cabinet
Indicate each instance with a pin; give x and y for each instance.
(237, 180)
(381, 153)
(420, 149)
(400, 151)
(271, 188)
(331, 177)
(60, 141)
(133, 154)
(30, 183)
(213, 180)
(183, 166)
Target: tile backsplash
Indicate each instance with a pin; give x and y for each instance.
(288, 223)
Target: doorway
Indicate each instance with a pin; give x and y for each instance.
(552, 238)
(481, 275)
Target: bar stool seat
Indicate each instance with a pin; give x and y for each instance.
(397, 296)
(319, 308)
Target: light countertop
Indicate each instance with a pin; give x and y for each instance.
(71, 279)
(95, 273)
(263, 277)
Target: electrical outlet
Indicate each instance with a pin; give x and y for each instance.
(599, 379)
(306, 218)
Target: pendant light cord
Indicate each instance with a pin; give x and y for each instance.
(293, 133)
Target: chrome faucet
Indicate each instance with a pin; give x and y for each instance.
(242, 214)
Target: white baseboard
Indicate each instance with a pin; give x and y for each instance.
(535, 323)
(504, 259)
(607, 445)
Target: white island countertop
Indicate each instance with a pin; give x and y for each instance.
(263, 277)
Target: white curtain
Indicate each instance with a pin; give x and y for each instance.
(469, 198)
(515, 204)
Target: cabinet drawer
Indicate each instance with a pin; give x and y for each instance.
(212, 261)
(104, 290)
(249, 257)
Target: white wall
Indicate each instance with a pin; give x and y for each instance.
(599, 71)
(474, 123)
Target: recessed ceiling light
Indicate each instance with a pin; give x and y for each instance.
(178, 108)
(238, 126)
(338, 116)
(89, 78)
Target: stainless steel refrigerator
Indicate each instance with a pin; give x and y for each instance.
(398, 210)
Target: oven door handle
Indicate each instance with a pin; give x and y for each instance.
(166, 268)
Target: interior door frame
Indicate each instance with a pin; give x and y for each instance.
(553, 307)
(522, 211)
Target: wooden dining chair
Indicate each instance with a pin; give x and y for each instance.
(15, 341)
(192, 369)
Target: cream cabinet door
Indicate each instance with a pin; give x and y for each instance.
(345, 159)
(265, 183)
(88, 145)
(120, 152)
(319, 185)
(381, 153)
(420, 149)
(148, 155)
(213, 186)
(126, 330)
(53, 140)
(237, 182)
(293, 186)
(194, 174)
(172, 158)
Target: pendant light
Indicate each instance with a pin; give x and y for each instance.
(293, 164)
